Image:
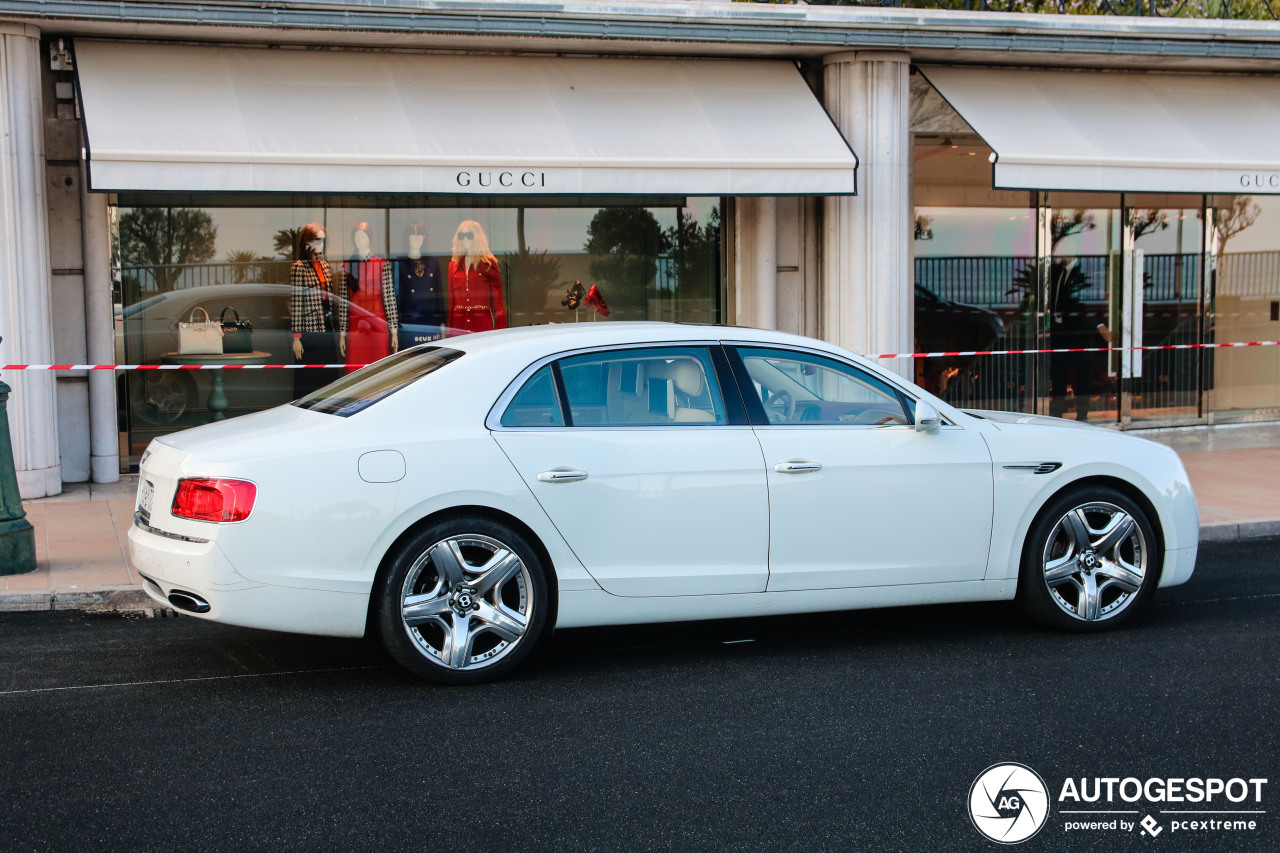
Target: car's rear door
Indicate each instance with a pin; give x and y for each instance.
(857, 496)
(654, 479)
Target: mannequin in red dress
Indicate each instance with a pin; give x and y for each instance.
(475, 283)
(368, 319)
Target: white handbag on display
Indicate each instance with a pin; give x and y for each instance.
(196, 338)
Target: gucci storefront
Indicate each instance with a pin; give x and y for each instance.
(334, 209)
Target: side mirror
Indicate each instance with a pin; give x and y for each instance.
(927, 418)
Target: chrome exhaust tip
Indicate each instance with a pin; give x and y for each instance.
(188, 601)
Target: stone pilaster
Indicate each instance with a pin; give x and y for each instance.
(25, 305)
(104, 435)
(867, 288)
(756, 254)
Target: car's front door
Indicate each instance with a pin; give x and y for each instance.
(656, 484)
(857, 496)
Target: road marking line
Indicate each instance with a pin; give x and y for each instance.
(186, 680)
(1216, 600)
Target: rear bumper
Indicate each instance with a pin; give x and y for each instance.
(169, 566)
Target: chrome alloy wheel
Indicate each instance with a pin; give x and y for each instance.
(1095, 561)
(467, 601)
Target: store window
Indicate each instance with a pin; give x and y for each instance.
(344, 282)
(975, 274)
(1244, 306)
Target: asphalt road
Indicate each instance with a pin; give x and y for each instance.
(858, 731)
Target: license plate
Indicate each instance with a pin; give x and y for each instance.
(145, 495)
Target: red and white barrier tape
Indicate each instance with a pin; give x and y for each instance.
(882, 356)
(171, 366)
(1073, 349)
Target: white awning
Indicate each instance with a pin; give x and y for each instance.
(179, 118)
(1121, 131)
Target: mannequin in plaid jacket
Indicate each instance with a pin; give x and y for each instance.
(311, 315)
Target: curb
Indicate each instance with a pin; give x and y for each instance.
(125, 598)
(108, 598)
(1242, 530)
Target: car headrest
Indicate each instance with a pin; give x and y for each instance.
(685, 374)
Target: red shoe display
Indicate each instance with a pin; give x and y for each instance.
(596, 301)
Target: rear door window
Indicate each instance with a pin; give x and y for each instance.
(368, 385)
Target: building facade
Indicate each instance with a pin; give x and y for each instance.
(1100, 191)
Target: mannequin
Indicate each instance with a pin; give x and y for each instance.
(311, 311)
(372, 333)
(475, 284)
(421, 287)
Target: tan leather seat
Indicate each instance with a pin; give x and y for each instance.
(687, 377)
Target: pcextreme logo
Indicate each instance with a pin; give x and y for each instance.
(1009, 803)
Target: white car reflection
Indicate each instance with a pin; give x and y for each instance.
(148, 330)
(459, 500)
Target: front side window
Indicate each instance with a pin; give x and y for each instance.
(661, 386)
(800, 388)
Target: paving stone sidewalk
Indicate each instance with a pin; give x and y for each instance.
(82, 545)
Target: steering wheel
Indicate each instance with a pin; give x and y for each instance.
(780, 408)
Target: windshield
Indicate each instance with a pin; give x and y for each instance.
(368, 385)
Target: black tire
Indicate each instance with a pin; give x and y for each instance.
(498, 625)
(1120, 562)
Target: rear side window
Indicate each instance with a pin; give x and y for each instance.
(368, 385)
(535, 404)
(662, 386)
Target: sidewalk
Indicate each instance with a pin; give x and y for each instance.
(82, 544)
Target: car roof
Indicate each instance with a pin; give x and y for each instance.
(536, 341)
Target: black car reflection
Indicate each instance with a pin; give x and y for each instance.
(148, 330)
(943, 325)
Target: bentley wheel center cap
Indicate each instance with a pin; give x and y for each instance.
(1088, 561)
(464, 599)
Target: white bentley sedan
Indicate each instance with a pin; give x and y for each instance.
(461, 500)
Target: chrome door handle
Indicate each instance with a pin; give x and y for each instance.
(563, 476)
(797, 467)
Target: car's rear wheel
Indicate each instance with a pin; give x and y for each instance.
(464, 600)
(1090, 558)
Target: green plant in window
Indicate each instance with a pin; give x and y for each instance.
(243, 266)
(1234, 218)
(695, 250)
(165, 242)
(285, 243)
(624, 244)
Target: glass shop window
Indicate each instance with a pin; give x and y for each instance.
(328, 284)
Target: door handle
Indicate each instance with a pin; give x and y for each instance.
(562, 476)
(797, 467)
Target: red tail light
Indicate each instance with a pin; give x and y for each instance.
(214, 499)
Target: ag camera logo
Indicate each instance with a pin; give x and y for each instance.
(1008, 803)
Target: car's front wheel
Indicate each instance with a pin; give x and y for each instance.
(464, 600)
(1090, 558)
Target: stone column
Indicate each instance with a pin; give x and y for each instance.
(757, 262)
(25, 314)
(104, 434)
(867, 289)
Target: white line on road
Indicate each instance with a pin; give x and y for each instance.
(1216, 600)
(187, 680)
